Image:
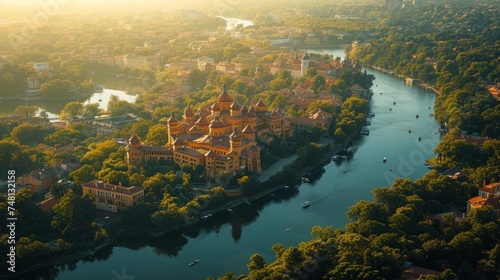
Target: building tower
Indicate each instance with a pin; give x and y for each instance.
(224, 100)
(248, 133)
(235, 141)
(216, 127)
(189, 115)
(305, 64)
(133, 149)
(235, 109)
(174, 128)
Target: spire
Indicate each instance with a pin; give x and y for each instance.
(235, 132)
(172, 118)
(188, 112)
(224, 96)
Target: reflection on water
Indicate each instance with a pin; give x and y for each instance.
(232, 23)
(103, 97)
(124, 88)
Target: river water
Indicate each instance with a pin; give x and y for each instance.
(125, 89)
(226, 242)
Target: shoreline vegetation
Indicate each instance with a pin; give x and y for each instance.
(133, 230)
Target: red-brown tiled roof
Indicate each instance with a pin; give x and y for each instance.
(47, 204)
(224, 97)
(134, 140)
(215, 107)
(202, 121)
(172, 119)
(247, 130)
(96, 184)
(260, 104)
(235, 106)
(188, 112)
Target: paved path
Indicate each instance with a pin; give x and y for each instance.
(275, 168)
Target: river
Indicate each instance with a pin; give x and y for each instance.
(126, 89)
(226, 242)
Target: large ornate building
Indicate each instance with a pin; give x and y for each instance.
(220, 137)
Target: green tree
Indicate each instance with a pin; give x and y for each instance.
(72, 109)
(318, 83)
(83, 174)
(73, 216)
(27, 134)
(256, 262)
(157, 135)
(26, 111)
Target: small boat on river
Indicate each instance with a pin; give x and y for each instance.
(306, 204)
(193, 263)
(384, 160)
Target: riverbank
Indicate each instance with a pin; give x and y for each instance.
(66, 258)
(423, 86)
(127, 230)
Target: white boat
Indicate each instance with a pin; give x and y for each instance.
(193, 262)
(384, 160)
(206, 217)
(306, 204)
(336, 158)
(305, 179)
(286, 187)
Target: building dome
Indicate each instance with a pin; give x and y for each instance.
(224, 97)
(216, 123)
(215, 107)
(188, 112)
(235, 106)
(172, 118)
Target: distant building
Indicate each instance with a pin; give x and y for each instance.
(47, 205)
(489, 195)
(37, 181)
(317, 118)
(108, 125)
(411, 81)
(110, 197)
(495, 91)
(97, 52)
(33, 82)
(41, 66)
